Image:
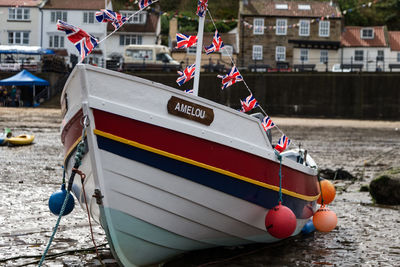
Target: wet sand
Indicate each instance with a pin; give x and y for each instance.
(366, 235)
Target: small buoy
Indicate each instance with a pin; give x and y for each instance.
(280, 221)
(56, 201)
(324, 220)
(328, 192)
(308, 227)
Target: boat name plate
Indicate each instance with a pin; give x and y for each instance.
(191, 111)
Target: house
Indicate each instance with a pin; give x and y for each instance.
(20, 20)
(80, 14)
(215, 62)
(394, 54)
(365, 47)
(143, 28)
(287, 34)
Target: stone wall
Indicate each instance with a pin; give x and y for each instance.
(331, 95)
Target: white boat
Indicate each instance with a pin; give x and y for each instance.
(169, 172)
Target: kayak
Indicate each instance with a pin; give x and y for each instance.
(23, 139)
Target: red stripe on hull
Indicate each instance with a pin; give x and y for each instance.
(207, 152)
(72, 131)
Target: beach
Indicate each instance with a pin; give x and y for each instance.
(366, 234)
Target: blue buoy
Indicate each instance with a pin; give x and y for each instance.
(56, 201)
(308, 227)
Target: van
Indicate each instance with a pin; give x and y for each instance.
(148, 57)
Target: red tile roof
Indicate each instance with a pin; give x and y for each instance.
(20, 3)
(394, 40)
(268, 8)
(351, 37)
(75, 4)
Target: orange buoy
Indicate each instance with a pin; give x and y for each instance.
(328, 192)
(280, 221)
(324, 220)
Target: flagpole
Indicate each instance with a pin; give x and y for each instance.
(199, 49)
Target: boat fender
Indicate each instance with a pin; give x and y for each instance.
(308, 227)
(280, 221)
(328, 192)
(56, 201)
(324, 220)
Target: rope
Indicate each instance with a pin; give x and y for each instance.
(83, 176)
(80, 151)
(55, 229)
(320, 189)
(280, 177)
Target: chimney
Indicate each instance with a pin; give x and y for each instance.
(173, 30)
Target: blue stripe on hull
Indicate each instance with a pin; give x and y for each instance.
(250, 192)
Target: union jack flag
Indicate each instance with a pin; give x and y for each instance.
(216, 45)
(201, 8)
(283, 143)
(267, 123)
(82, 40)
(185, 41)
(232, 77)
(145, 3)
(106, 15)
(186, 75)
(248, 103)
(189, 91)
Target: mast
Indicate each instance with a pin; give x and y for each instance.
(199, 49)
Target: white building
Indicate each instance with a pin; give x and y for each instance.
(80, 14)
(142, 28)
(394, 56)
(365, 46)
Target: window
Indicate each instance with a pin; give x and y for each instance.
(88, 17)
(280, 53)
(58, 15)
(258, 27)
(192, 50)
(304, 29)
(257, 52)
(323, 56)
(358, 55)
(398, 57)
(303, 55)
(139, 18)
(367, 33)
(56, 41)
(21, 38)
(227, 50)
(17, 13)
(380, 55)
(130, 39)
(281, 6)
(281, 26)
(304, 7)
(324, 28)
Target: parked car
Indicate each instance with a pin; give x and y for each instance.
(149, 57)
(337, 68)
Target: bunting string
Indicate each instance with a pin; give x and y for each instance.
(244, 82)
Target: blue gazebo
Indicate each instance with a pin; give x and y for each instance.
(25, 78)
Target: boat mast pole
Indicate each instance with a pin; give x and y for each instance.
(198, 55)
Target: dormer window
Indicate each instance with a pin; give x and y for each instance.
(281, 6)
(367, 33)
(304, 7)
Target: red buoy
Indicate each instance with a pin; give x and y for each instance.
(280, 221)
(324, 219)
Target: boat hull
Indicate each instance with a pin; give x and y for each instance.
(169, 184)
